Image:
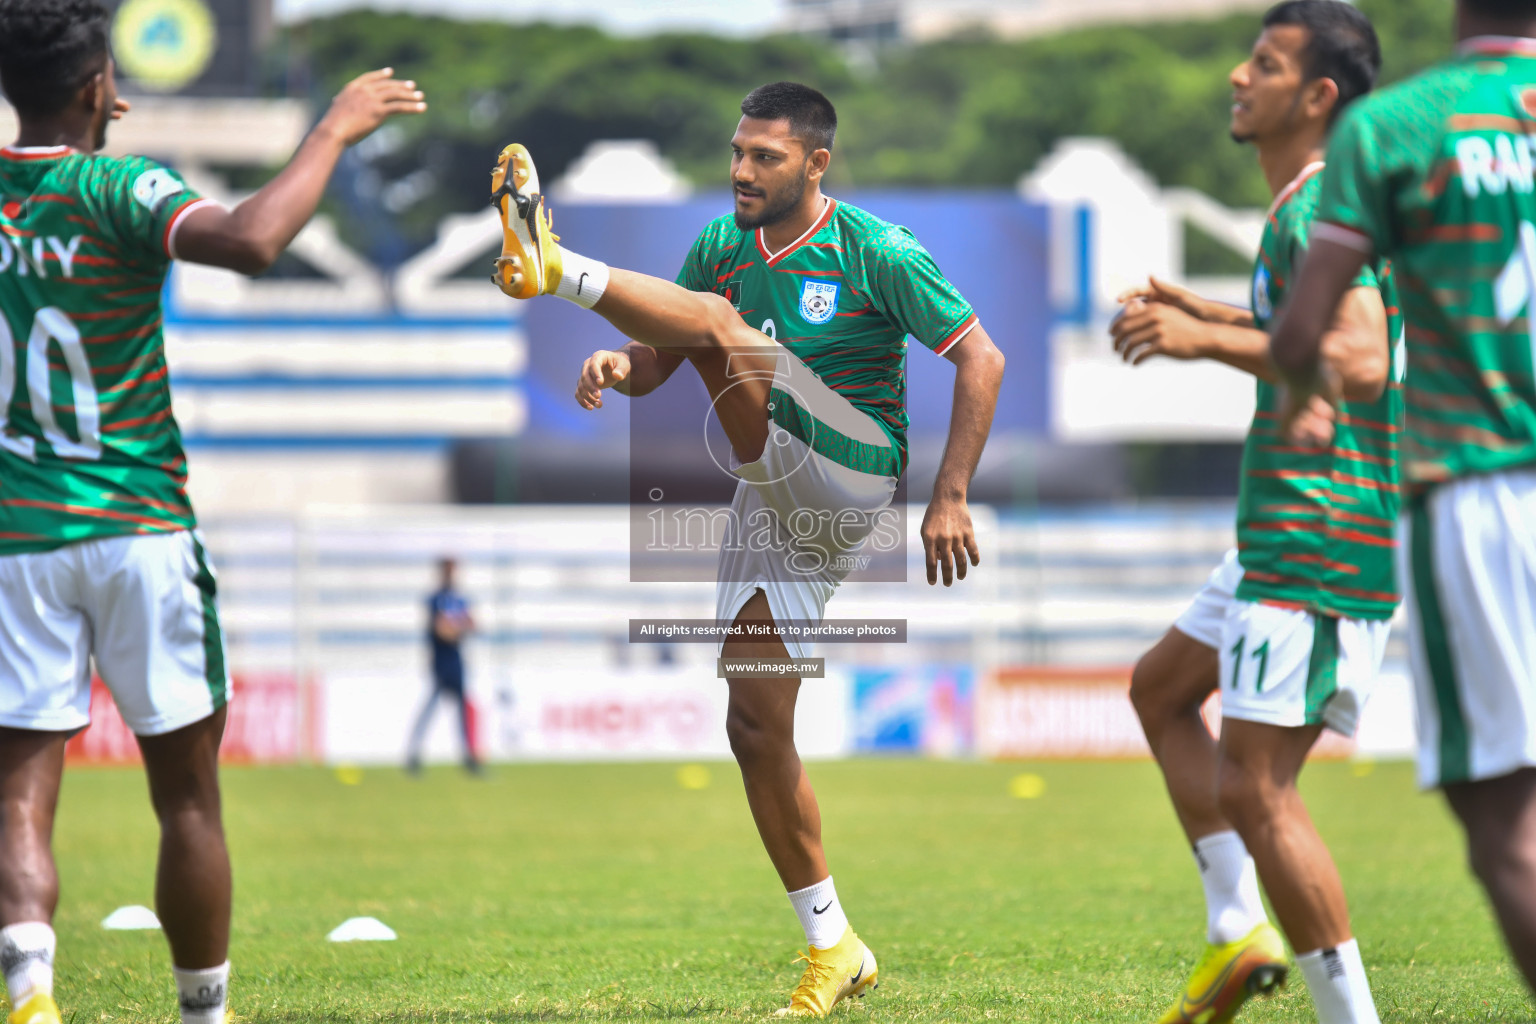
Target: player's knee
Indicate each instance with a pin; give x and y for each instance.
(1244, 796)
(753, 740)
(1148, 696)
(190, 796)
(722, 324)
(1500, 858)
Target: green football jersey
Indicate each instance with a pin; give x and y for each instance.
(1315, 525)
(1437, 174)
(843, 298)
(88, 445)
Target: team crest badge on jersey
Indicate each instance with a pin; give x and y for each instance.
(818, 301)
(1262, 307)
(152, 188)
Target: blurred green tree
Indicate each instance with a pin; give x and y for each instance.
(971, 111)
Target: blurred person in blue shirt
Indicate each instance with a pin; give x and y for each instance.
(448, 623)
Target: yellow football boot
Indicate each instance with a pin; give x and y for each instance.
(37, 1009)
(832, 975)
(1227, 975)
(529, 264)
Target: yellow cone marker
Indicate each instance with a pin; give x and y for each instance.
(1027, 786)
(349, 775)
(693, 776)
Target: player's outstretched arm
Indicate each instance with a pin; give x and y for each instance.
(948, 536)
(1146, 328)
(1158, 290)
(250, 237)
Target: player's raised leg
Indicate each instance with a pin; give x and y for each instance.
(760, 723)
(31, 766)
(735, 362)
(192, 878)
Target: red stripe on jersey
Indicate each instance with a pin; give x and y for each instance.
(139, 422)
(1498, 46)
(99, 282)
(1337, 478)
(137, 332)
(179, 507)
(87, 510)
(1265, 577)
(174, 224)
(1286, 449)
(51, 197)
(721, 279)
(34, 153)
(144, 290)
(132, 382)
(113, 314)
(1311, 526)
(955, 335)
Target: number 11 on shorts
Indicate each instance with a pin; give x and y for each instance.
(1260, 655)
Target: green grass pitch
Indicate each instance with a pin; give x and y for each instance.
(609, 892)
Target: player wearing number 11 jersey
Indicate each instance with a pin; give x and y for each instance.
(98, 558)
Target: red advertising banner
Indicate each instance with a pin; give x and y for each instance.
(265, 724)
(1029, 713)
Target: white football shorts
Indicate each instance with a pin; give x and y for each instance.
(800, 516)
(143, 606)
(1467, 556)
(1287, 667)
(1206, 615)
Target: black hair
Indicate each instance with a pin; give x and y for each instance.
(1341, 45)
(1504, 8)
(48, 50)
(811, 117)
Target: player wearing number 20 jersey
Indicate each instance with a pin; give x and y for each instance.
(100, 568)
(89, 447)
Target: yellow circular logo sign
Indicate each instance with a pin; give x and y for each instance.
(164, 44)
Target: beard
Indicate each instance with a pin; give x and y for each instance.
(775, 207)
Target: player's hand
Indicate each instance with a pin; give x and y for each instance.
(1168, 294)
(1146, 329)
(948, 538)
(1310, 418)
(368, 101)
(120, 108)
(603, 369)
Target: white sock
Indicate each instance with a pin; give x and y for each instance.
(820, 913)
(582, 279)
(26, 956)
(203, 993)
(1340, 990)
(1232, 904)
